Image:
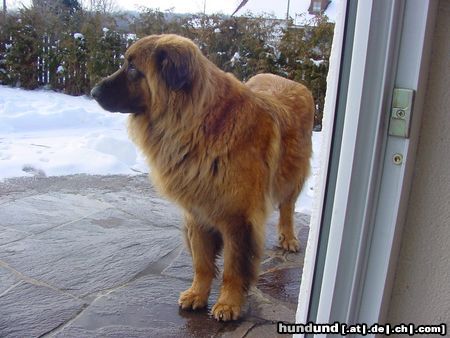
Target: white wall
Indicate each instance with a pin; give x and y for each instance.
(421, 292)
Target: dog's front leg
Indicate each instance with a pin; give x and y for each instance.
(204, 245)
(242, 251)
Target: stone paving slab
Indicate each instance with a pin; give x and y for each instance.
(85, 257)
(103, 256)
(9, 235)
(7, 280)
(29, 310)
(41, 212)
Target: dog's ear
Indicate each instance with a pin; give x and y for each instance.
(174, 65)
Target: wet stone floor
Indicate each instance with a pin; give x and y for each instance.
(103, 256)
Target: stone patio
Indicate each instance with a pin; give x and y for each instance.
(103, 256)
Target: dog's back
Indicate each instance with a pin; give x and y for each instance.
(295, 99)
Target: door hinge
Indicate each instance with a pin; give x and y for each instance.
(402, 102)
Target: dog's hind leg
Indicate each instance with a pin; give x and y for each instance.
(243, 244)
(286, 234)
(204, 245)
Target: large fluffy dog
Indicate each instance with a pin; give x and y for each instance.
(226, 152)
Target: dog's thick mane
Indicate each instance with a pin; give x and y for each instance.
(187, 132)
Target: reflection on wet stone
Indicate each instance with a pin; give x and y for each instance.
(282, 284)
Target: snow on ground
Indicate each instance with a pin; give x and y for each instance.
(304, 202)
(52, 134)
(43, 133)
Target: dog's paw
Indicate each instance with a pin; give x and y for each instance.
(192, 300)
(225, 312)
(289, 243)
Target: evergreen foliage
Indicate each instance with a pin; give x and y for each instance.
(59, 45)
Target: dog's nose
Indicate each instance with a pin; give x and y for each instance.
(95, 92)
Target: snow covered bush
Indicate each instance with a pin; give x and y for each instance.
(21, 50)
(55, 44)
(305, 51)
(59, 45)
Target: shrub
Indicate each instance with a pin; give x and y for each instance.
(59, 45)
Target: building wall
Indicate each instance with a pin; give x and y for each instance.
(421, 292)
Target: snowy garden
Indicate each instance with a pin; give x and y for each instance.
(53, 52)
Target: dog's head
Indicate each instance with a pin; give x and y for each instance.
(154, 66)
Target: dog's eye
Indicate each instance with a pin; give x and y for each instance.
(132, 72)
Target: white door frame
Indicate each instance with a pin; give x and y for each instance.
(391, 48)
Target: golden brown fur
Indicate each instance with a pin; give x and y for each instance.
(226, 152)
